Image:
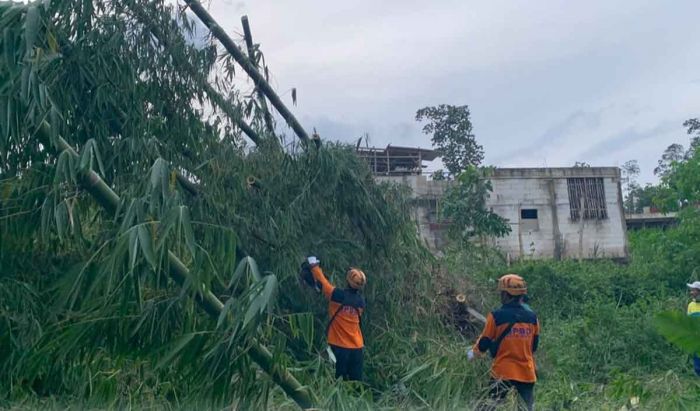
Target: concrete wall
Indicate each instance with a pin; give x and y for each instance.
(555, 234)
(427, 195)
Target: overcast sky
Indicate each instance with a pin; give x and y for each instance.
(548, 83)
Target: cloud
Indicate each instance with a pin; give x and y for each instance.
(547, 82)
(622, 141)
(579, 121)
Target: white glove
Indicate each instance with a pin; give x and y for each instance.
(470, 354)
(313, 261)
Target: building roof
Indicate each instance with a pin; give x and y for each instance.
(396, 160)
(398, 151)
(556, 172)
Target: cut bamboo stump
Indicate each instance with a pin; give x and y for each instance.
(461, 299)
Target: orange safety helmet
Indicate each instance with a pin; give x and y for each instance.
(513, 284)
(356, 278)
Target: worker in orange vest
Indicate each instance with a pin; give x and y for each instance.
(345, 308)
(511, 336)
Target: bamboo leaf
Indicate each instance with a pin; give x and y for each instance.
(146, 243)
(129, 216)
(187, 229)
(246, 267)
(137, 290)
(262, 300)
(31, 26)
(680, 329)
(53, 44)
(225, 312)
(133, 248)
(46, 216)
(61, 217)
(178, 346)
(158, 182)
(415, 371)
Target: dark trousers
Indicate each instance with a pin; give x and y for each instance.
(500, 389)
(696, 364)
(348, 363)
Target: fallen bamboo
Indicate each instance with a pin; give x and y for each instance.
(110, 201)
(248, 67)
(216, 97)
(477, 315)
(251, 56)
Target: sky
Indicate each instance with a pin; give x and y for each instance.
(548, 83)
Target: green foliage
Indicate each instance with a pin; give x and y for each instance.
(680, 329)
(681, 183)
(648, 196)
(451, 131)
(465, 207)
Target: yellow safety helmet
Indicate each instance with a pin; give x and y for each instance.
(513, 284)
(356, 278)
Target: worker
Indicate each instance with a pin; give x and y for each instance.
(345, 308)
(694, 311)
(511, 336)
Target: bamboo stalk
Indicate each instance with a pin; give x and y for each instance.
(251, 55)
(247, 66)
(477, 315)
(214, 95)
(107, 198)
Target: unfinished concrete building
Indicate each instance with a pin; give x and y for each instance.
(560, 213)
(404, 165)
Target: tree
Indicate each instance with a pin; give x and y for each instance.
(680, 181)
(581, 164)
(643, 197)
(630, 172)
(674, 152)
(465, 207)
(693, 128)
(438, 175)
(452, 136)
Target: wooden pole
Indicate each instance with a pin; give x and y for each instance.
(248, 67)
(251, 55)
(110, 201)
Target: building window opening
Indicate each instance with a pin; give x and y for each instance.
(528, 213)
(528, 219)
(587, 198)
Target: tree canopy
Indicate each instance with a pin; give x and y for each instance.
(451, 131)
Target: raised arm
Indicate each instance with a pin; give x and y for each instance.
(326, 286)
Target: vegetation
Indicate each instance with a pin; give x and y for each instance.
(148, 250)
(464, 206)
(451, 131)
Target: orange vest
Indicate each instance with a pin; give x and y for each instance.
(514, 359)
(344, 331)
